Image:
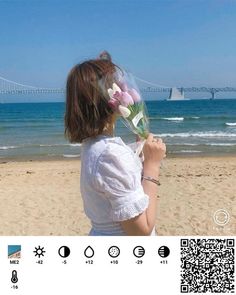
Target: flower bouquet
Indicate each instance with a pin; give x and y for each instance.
(125, 99)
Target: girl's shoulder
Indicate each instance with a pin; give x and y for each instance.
(106, 145)
(116, 153)
(105, 150)
(109, 151)
(117, 144)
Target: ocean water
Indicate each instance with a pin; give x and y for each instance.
(191, 127)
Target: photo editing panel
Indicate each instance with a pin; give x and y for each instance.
(170, 265)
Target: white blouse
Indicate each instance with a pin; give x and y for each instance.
(110, 184)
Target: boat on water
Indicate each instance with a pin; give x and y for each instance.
(176, 94)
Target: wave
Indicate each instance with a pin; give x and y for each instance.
(202, 144)
(188, 144)
(186, 117)
(20, 126)
(13, 119)
(222, 144)
(70, 156)
(230, 124)
(61, 144)
(173, 119)
(38, 145)
(217, 117)
(75, 144)
(197, 134)
(8, 147)
(50, 145)
(187, 151)
(191, 118)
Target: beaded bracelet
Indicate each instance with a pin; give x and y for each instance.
(157, 182)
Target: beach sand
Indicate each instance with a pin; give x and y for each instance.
(43, 197)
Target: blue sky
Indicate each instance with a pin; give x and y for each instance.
(173, 43)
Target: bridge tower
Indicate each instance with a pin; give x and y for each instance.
(213, 92)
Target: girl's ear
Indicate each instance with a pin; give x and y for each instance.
(105, 55)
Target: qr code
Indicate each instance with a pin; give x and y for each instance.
(207, 265)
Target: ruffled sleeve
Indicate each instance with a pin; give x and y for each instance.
(117, 175)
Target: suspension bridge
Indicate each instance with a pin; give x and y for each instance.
(160, 88)
(12, 87)
(9, 87)
(210, 90)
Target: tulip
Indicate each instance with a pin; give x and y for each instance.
(123, 86)
(126, 99)
(117, 95)
(125, 112)
(114, 103)
(135, 95)
(115, 88)
(110, 92)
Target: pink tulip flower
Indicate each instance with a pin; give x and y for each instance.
(123, 86)
(114, 103)
(135, 95)
(126, 99)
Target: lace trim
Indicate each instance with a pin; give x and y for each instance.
(131, 210)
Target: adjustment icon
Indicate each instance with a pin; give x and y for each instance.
(164, 251)
(64, 251)
(114, 251)
(89, 252)
(14, 278)
(139, 251)
(39, 251)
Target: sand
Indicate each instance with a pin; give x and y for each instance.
(43, 197)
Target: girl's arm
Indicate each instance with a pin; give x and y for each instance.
(144, 223)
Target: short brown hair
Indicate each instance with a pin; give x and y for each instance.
(87, 111)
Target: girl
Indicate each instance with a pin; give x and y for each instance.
(117, 200)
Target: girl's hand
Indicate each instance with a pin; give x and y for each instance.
(154, 151)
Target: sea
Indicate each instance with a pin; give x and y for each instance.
(193, 127)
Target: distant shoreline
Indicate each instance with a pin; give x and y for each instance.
(149, 100)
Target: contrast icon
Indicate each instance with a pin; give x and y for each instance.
(14, 278)
(89, 252)
(14, 251)
(64, 251)
(164, 251)
(114, 251)
(139, 251)
(39, 251)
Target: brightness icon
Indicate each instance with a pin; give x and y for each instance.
(39, 251)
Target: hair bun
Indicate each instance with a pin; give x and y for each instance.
(104, 55)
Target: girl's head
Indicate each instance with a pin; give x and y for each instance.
(87, 111)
